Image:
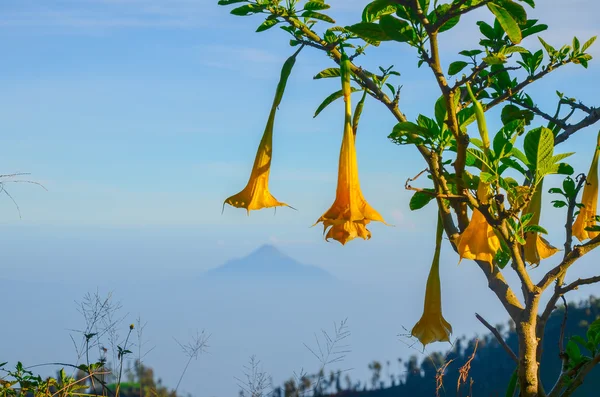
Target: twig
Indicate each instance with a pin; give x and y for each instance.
(463, 372)
(439, 377)
(198, 345)
(499, 337)
(592, 118)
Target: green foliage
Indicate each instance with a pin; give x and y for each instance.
(330, 99)
(421, 199)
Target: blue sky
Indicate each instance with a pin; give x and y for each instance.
(135, 113)
(141, 116)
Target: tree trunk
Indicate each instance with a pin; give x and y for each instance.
(528, 364)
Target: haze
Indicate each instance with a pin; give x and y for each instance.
(140, 119)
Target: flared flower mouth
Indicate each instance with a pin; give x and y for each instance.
(536, 247)
(256, 194)
(346, 231)
(588, 213)
(433, 327)
(479, 241)
(350, 213)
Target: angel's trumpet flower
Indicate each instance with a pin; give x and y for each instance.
(479, 241)
(432, 327)
(256, 194)
(350, 213)
(587, 214)
(536, 247)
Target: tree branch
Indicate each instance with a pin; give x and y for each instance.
(590, 119)
(499, 337)
(579, 282)
(519, 87)
(576, 253)
(581, 370)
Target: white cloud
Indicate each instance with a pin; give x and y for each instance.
(107, 14)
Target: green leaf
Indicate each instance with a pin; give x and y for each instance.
(396, 29)
(318, 15)
(420, 199)
(315, 6)
(534, 229)
(268, 24)
(486, 30)
(573, 352)
(370, 32)
(476, 157)
(328, 73)
(494, 59)
(409, 126)
(470, 53)
(588, 44)
(449, 24)
(247, 10)
(330, 99)
(539, 147)
(465, 117)
(512, 384)
(227, 2)
(440, 110)
(456, 67)
(391, 87)
(569, 187)
(519, 155)
(549, 49)
(513, 164)
(560, 168)
(555, 190)
(579, 339)
(515, 10)
(374, 10)
(559, 204)
(534, 29)
(486, 177)
(576, 44)
(508, 23)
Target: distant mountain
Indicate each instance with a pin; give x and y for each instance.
(268, 263)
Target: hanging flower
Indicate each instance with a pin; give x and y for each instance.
(587, 214)
(432, 327)
(479, 241)
(536, 247)
(350, 213)
(256, 194)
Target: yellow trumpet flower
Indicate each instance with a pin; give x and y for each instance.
(587, 214)
(536, 247)
(478, 241)
(432, 327)
(256, 194)
(350, 213)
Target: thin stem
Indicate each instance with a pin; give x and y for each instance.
(499, 337)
